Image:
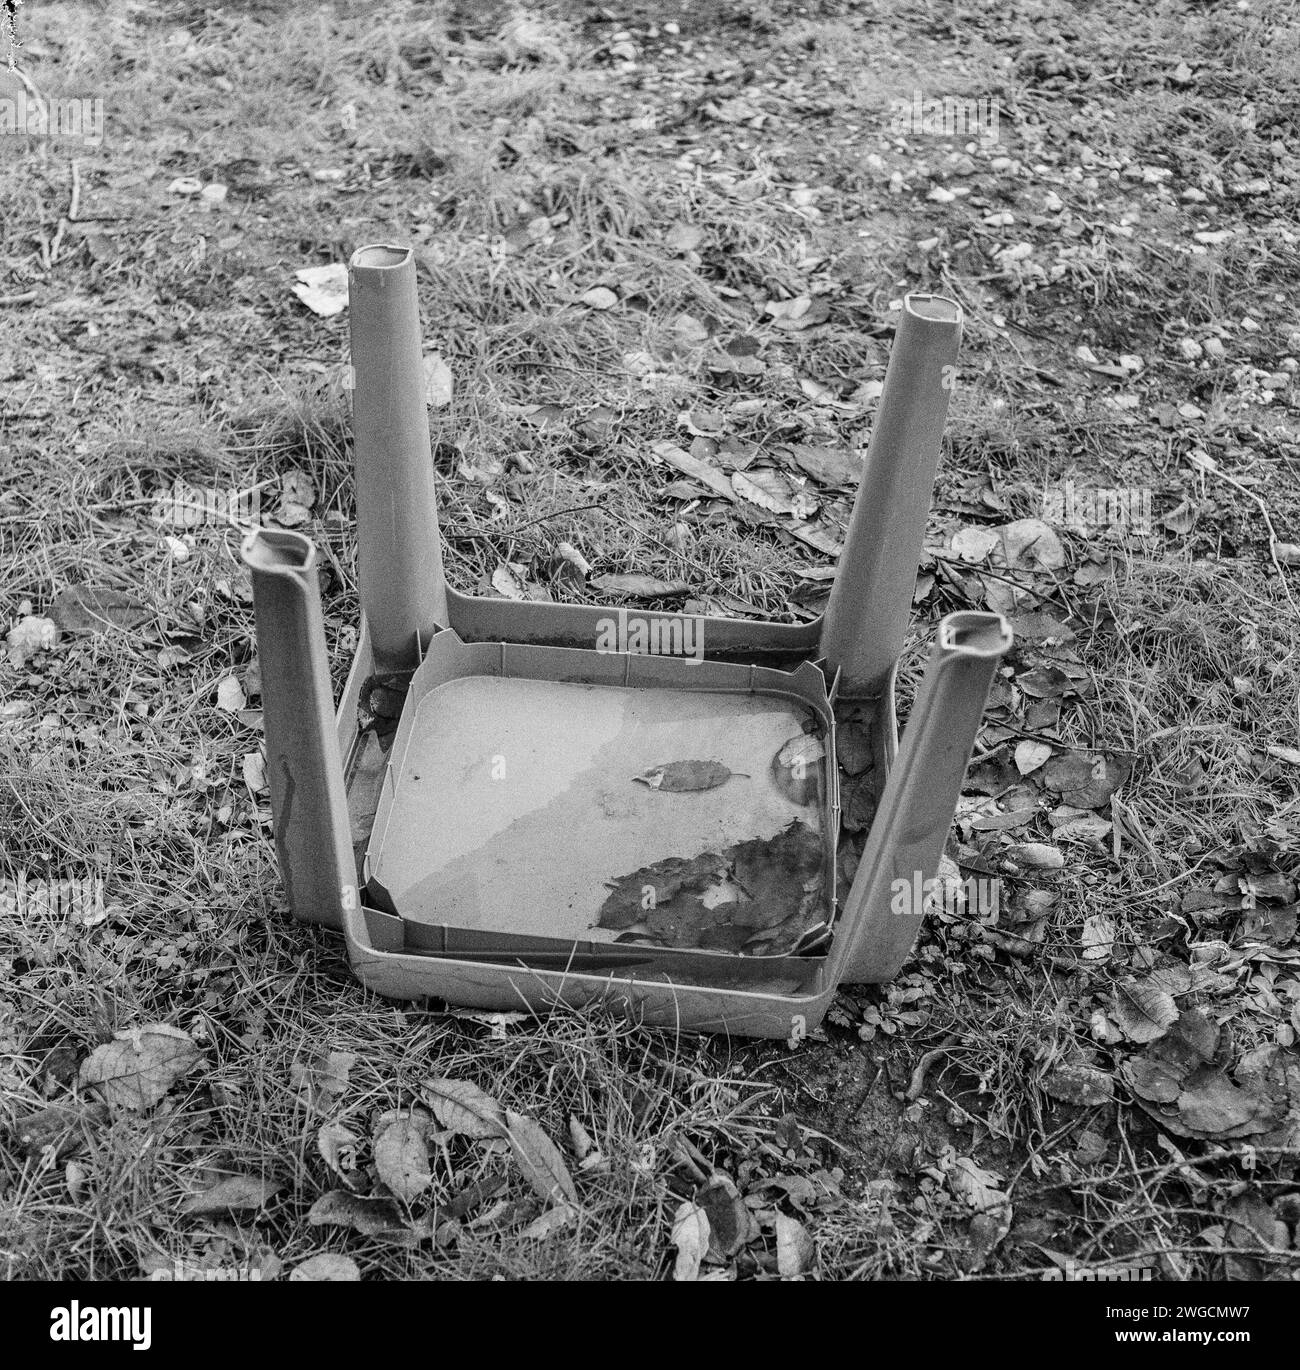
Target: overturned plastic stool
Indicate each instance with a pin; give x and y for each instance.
(520, 804)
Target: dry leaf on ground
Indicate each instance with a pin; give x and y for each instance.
(540, 1160)
(234, 1193)
(731, 1225)
(638, 586)
(462, 1107)
(1085, 781)
(794, 1247)
(329, 1265)
(402, 1156)
(1079, 1084)
(691, 1238)
(1142, 1011)
(369, 1217)
(323, 289)
(85, 609)
(338, 1146)
(137, 1068)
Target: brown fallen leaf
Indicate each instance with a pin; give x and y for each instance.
(797, 768)
(679, 923)
(1083, 1085)
(1098, 937)
(794, 1247)
(552, 1221)
(61, 1127)
(690, 1235)
(1177, 1084)
(1029, 544)
(540, 1160)
(328, 1265)
(697, 469)
(509, 583)
(641, 587)
(462, 1107)
(369, 1217)
(1141, 1010)
(236, 1193)
(834, 467)
(781, 878)
(87, 609)
(402, 1156)
(731, 1224)
(1085, 781)
(338, 1146)
(766, 489)
(682, 777)
(858, 802)
(137, 1068)
(652, 886)
(320, 1078)
(1212, 1107)
(1151, 1080)
(853, 749)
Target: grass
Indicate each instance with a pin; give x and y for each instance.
(528, 165)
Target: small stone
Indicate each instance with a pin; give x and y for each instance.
(1190, 349)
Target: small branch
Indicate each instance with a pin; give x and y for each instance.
(917, 1083)
(1268, 522)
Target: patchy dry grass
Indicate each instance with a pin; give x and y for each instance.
(151, 338)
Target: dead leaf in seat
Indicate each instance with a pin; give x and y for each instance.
(680, 777)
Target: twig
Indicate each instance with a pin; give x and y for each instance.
(75, 204)
(1268, 522)
(18, 299)
(215, 514)
(516, 527)
(917, 1083)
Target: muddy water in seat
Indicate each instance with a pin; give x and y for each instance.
(518, 802)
